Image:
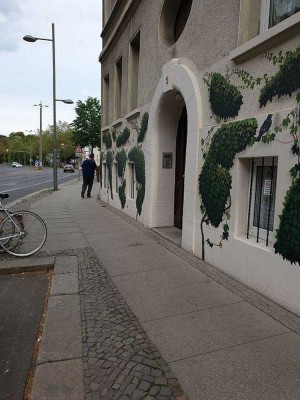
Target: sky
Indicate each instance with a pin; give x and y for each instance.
(26, 68)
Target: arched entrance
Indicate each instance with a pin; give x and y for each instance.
(177, 90)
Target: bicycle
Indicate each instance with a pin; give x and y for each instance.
(22, 233)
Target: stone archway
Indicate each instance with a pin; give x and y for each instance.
(178, 87)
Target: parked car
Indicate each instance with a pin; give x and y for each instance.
(68, 168)
(16, 164)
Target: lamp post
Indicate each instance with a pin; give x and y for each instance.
(30, 153)
(29, 38)
(41, 105)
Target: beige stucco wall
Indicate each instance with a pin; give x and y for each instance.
(210, 35)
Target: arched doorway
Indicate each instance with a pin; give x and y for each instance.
(176, 91)
(180, 169)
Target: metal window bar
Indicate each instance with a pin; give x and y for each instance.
(270, 201)
(260, 196)
(250, 196)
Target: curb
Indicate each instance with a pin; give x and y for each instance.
(18, 266)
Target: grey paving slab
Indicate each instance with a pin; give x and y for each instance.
(63, 316)
(65, 265)
(160, 279)
(28, 264)
(53, 245)
(64, 284)
(187, 335)
(262, 370)
(64, 230)
(176, 300)
(131, 259)
(53, 235)
(60, 221)
(117, 238)
(99, 228)
(61, 380)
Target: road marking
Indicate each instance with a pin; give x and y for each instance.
(35, 184)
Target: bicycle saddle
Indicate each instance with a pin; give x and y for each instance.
(4, 195)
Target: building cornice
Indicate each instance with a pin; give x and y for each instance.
(120, 25)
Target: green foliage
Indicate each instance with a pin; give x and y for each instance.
(122, 193)
(106, 139)
(109, 163)
(287, 79)
(114, 134)
(87, 124)
(215, 179)
(214, 186)
(121, 159)
(230, 139)
(140, 198)
(100, 172)
(225, 98)
(144, 127)
(136, 155)
(288, 233)
(123, 137)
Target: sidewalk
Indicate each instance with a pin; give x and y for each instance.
(153, 318)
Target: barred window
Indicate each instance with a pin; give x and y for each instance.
(262, 194)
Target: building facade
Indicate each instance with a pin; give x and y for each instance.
(200, 123)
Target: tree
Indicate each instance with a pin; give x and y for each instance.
(87, 124)
(3, 148)
(64, 143)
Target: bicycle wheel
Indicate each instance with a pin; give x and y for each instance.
(7, 232)
(30, 233)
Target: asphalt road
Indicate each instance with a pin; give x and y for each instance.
(20, 182)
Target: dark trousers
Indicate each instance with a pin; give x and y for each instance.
(87, 183)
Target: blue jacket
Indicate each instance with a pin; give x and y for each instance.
(88, 168)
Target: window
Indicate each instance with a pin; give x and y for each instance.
(262, 199)
(257, 17)
(133, 77)
(130, 179)
(118, 87)
(104, 174)
(275, 11)
(174, 16)
(106, 100)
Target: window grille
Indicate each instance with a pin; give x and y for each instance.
(261, 201)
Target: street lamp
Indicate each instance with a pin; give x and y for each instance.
(41, 132)
(30, 153)
(29, 38)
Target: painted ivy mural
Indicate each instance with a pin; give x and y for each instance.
(220, 148)
(123, 137)
(109, 163)
(106, 139)
(225, 99)
(121, 158)
(215, 179)
(136, 155)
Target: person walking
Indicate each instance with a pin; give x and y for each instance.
(88, 168)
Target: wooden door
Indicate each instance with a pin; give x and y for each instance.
(179, 169)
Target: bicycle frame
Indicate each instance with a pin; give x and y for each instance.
(8, 214)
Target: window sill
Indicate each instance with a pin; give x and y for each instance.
(252, 242)
(133, 114)
(265, 40)
(105, 129)
(116, 123)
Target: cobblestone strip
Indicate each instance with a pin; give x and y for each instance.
(120, 362)
(275, 311)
